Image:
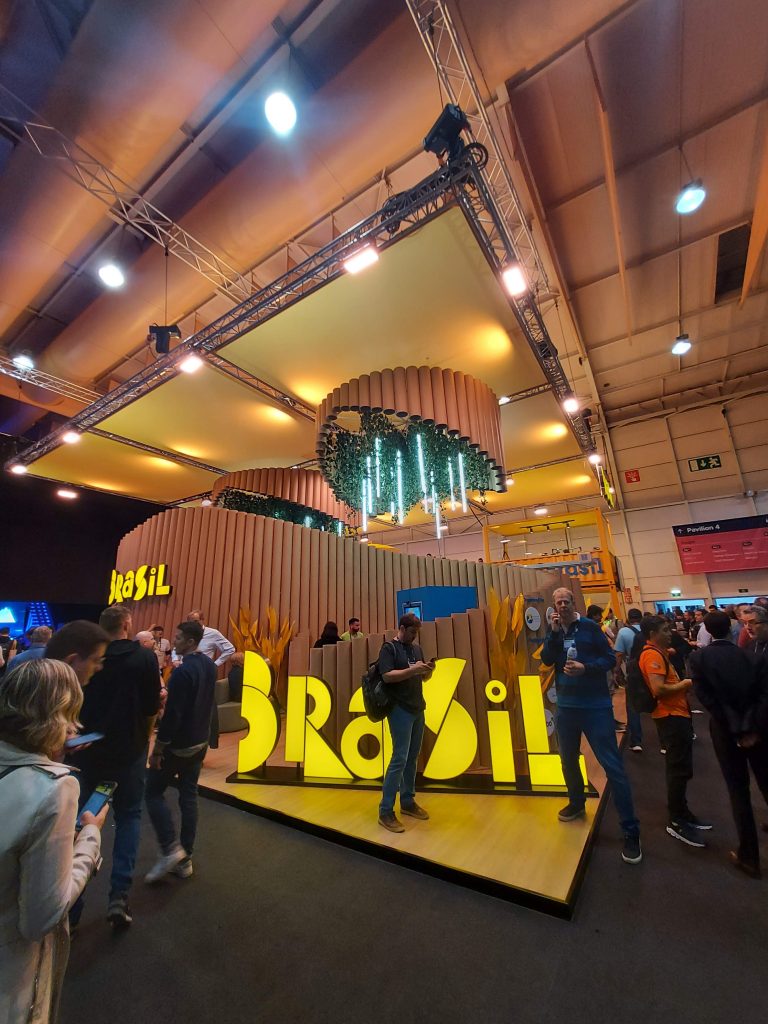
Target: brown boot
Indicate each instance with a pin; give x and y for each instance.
(390, 821)
(414, 811)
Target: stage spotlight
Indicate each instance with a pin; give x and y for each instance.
(64, 492)
(514, 280)
(682, 345)
(111, 275)
(363, 258)
(505, 400)
(18, 469)
(280, 111)
(23, 361)
(509, 481)
(540, 510)
(70, 437)
(691, 197)
(571, 405)
(206, 503)
(595, 458)
(161, 335)
(444, 137)
(191, 364)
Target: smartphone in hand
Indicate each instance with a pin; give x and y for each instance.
(100, 796)
(82, 738)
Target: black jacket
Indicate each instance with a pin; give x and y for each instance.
(732, 685)
(186, 721)
(119, 700)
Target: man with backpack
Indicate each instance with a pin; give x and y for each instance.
(622, 648)
(403, 669)
(733, 687)
(672, 715)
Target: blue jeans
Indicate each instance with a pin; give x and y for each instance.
(183, 773)
(407, 733)
(597, 725)
(634, 726)
(126, 808)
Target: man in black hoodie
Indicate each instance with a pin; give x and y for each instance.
(733, 687)
(121, 701)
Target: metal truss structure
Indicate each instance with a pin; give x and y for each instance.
(126, 204)
(163, 453)
(48, 381)
(458, 182)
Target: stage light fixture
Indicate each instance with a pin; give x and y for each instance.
(111, 275)
(444, 137)
(23, 361)
(191, 364)
(280, 111)
(682, 345)
(505, 400)
(571, 405)
(206, 503)
(19, 469)
(540, 510)
(363, 258)
(509, 481)
(363, 540)
(66, 493)
(691, 197)
(514, 280)
(161, 335)
(70, 437)
(595, 458)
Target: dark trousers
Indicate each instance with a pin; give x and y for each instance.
(183, 773)
(598, 726)
(735, 764)
(676, 737)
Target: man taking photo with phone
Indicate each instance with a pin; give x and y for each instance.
(403, 669)
(582, 657)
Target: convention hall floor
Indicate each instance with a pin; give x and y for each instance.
(277, 926)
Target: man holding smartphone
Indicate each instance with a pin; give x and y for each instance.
(403, 669)
(582, 657)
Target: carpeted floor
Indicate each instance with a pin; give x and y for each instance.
(277, 927)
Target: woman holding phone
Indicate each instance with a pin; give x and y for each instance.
(44, 863)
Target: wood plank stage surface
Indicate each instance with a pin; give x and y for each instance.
(509, 846)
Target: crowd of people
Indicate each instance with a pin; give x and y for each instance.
(85, 710)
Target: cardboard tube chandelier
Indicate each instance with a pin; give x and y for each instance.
(422, 435)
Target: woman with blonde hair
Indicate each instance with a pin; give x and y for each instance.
(44, 863)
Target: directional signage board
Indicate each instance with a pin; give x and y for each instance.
(723, 545)
(705, 462)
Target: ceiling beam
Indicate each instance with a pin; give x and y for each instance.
(610, 182)
(285, 401)
(759, 232)
(163, 453)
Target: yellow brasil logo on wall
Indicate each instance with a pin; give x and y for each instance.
(456, 733)
(146, 581)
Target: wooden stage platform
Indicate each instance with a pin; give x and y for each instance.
(512, 847)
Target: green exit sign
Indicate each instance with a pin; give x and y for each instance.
(704, 462)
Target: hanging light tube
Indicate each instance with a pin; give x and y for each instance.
(377, 447)
(422, 471)
(365, 506)
(462, 484)
(451, 484)
(370, 485)
(436, 507)
(400, 504)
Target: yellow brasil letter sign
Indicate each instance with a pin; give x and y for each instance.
(146, 581)
(455, 745)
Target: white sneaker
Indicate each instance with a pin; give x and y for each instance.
(184, 868)
(166, 863)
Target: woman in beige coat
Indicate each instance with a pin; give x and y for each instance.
(44, 864)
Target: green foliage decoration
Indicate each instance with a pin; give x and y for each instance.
(345, 464)
(278, 508)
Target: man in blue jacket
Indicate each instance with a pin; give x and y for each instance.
(582, 657)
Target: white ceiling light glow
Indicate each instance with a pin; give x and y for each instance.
(571, 405)
(363, 258)
(691, 197)
(505, 400)
(595, 458)
(23, 361)
(70, 437)
(540, 510)
(111, 275)
(280, 111)
(64, 492)
(18, 469)
(682, 345)
(514, 280)
(191, 364)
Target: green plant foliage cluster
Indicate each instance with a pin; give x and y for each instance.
(345, 463)
(279, 508)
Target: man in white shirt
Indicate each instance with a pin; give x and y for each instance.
(214, 644)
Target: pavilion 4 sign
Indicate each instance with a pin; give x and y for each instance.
(456, 739)
(146, 581)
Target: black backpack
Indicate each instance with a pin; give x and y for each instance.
(377, 700)
(639, 694)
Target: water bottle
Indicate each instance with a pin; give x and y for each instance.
(571, 654)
